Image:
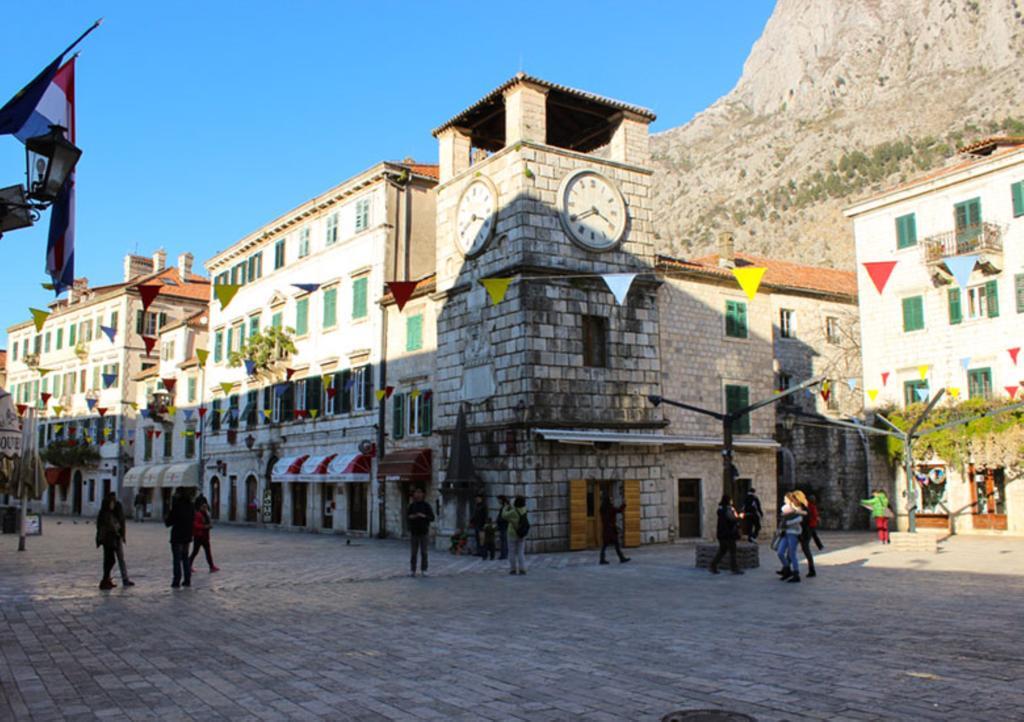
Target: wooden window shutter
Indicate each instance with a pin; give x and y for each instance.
(631, 516)
(955, 312)
(1017, 191)
(992, 300)
(577, 514)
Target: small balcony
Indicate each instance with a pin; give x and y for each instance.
(984, 239)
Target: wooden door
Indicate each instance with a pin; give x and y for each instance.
(989, 496)
(327, 502)
(595, 491)
(688, 508)
(631, 517)
(76, 494)
(577, 514)
(251, 502)
(232, 499)
(106, 487)
(357, 510)
(299, 504)
(276, 502)
(215, 498)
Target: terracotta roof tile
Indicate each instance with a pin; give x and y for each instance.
(425, 169)
(780, 275)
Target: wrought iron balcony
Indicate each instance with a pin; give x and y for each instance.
(985, 239)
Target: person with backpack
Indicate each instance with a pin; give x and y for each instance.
(201, 525)
(518, 528)
(728, 531)
(610, 528)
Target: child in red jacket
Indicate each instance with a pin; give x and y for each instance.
(201, 525)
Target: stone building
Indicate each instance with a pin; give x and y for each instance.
(928, 329)
(83, 381)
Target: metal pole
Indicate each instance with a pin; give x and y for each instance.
(908, 469)
(726, 452)
(21, 519)
(26, 456)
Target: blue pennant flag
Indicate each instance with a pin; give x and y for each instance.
(108, 380)
(922, 394)
(250, 367)
(279, 390)
(144, 413)
(965, 362)
(852, 383)
(20, 109)
(961, 267)
(188, 414)
(350, 383)
(90, 403)
(307, 287)
(131, 433)
(110, 331)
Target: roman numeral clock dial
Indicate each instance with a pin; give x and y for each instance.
(593, 210)
(476, 216)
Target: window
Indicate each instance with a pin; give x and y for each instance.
(414, 332)
(362, 389)
(240, 335)
(967, 216)
(738, 397)
(222, 278)
(37, 344)
(254, 326)
(736, 319)
(359, 289)
(46, 343)
(284, 402)
(218, 346)
(595, 341)
(786, 318)
(913, 314)
(832, 331)
(276, 320)
(190, 442)
(906, 231)
(167, 349)
(279, 254)
(330, 307)
(113, 320)
(983, 301)
(915, 392)
(59, 342)
(233, 413)
(146, 324)
(302, 316)
(215, 416)
(251, 411)
(147, 451)
(14, 350)
(255, 266)
(332, 229)
(420, 413)
(24, 343)
(979, 383)
(312, 394)
(398, 416)
(96, 378)
(362, 214)
(1017, 193)
(955, 311)
(86, 331)
(168, 443)
(785, 381)
(82, 377)
(304, 242)
(1018, 289)
(191, 389)
(228, 342)
(238, 274)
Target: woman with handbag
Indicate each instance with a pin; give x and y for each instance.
(790, 527)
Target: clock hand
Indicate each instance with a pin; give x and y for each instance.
(584, 214)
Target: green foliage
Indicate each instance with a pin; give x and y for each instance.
(68, 453)
(266, 349)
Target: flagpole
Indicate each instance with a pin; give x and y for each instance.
(21, 475)
(81, 37)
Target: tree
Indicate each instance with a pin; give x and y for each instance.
(267, 349)
(69, 453)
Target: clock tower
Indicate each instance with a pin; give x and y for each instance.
(548, 186)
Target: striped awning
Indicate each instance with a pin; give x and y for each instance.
(326, 469)
(147, 475)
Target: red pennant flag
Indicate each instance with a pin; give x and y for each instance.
(150, 343)
(101, 410)
(1013, 354)
(1011, 390)
(825, 394)
(148, 293)
(156, 434)
(402, 290)
(149, 433)
(885, 377)
(202, 411)
(72, 442)
(21, 409)
(169, 384)
(388, 390)
(331, 391)
(427, 395)
(198, 434)
(880, 272)
(288, 373)
(72, 431)
(45, 397)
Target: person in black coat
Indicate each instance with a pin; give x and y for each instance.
(752, 514)
(477, 523)
(110, 534)
(179, 518)
(728, 531)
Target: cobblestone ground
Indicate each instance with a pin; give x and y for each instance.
(305, 627)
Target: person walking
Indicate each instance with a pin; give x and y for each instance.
(110, 534)
(476, 525)
(420, 516)
(502, 527)
(728, 532)
(806, 533)
(180, 519)
(878, 505)
(790, 525)
(201, 525)
(518, 528)
(813, 518)
(140, 506)
(610, 528)
(490, 547)
(752, 514)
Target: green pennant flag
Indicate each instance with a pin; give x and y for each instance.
(496, 288)
(39, 317)
(226, 387)
(201, 354)
(225, 292)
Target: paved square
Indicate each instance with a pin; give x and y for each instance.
(301, 626)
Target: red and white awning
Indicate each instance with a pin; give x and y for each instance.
(331, 468)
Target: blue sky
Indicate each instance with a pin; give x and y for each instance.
(200, 121)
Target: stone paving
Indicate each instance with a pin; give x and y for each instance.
(301, 626)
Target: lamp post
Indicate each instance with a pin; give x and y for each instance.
(50, 159)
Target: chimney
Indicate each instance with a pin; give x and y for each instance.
(79, 291)
(185, 266)
(726, 249)
(159, 260)
(135, 266)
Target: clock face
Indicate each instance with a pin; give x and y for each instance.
(475, 216)
(593, 211)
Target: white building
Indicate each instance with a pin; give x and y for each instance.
(924, 331)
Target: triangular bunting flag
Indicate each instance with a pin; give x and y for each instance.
(961, 267)
(226, 387)
(380, 394)
(144, 413)
(921, 394)
(879, 271)
(43, 372)
(101, 410)
(331, 391)
(388, 390)
(965, 362)
(415, 393)
(954, 391)
(427, 395)
(201, 354)
(90, 403)
(496, 288)
(267, 413)
(307, 287)
(350, 383)
(922, 370)
(749, 278)
(148, 292)
(201, 411)
(157, 433)
(57, 428)
(188, 413)
(300, 413)
(328, 380)
(1013, 353)
(279, 390)
(22, 408)
(250, 367)
(169, 384)
(71, 431)
(132, 404)
(885, 378)
(314, 412)
(198, 434)
(1012, 391)
(108, 380)
(149, 342)
(110, 331)
(39, 318)
(288, 373)
(183, 433)
(852, 383)
(172, 409)
(225, 292)
(401, 290)
(46, 398)
(59, 410)
(619, 284)
(48, 286)
(825, 394)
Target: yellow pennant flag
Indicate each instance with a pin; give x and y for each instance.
(201, 354)
(313, 413)
(328, 379)
(171, 409)
(415, 393)
(872, 394)
(39, 317)
(43, 372)
(496, 288)
(923, 370)
(226, 387)
(183, 433)
(58, 409)
(57, 428)
(749, 278)
(267, 413)
(225, 292)
(106, 431)
(124, 443)
(134, 405)
(47, 286)
(380, 394)
(954, 391)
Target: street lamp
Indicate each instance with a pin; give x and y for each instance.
(49, 160)
(788, 421)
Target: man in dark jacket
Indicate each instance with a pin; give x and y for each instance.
(420, 516)
(477, 522)
(610, 528)
(727, 532)
(179, 519)
(752, 514)
(110, 534)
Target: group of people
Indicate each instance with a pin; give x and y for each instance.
(189, 521)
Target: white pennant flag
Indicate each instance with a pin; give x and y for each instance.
(619, 284)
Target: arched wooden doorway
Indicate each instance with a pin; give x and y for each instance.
(215, 497)
(252, 500)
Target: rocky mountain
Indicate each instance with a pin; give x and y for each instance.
(837, 98)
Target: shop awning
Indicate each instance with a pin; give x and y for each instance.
(334, 468)
(148, 475)
(181, 475)
(406, 465)
(589, 437)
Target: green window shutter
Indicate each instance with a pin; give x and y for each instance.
(736, 319)
(60, 338)
(906, 231)
(738, 397)
(913, 313)
(359, 288)
(229, 339)
(992, 298)
(218, 346)
(955, 312)
(398, 416)
(1017, 191)
(276, 320)
(427, 412)
(140, 324)
(1018, 288)
(330, 307)
(414, 333)
(302, 317)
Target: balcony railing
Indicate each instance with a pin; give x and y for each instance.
(983, 238)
